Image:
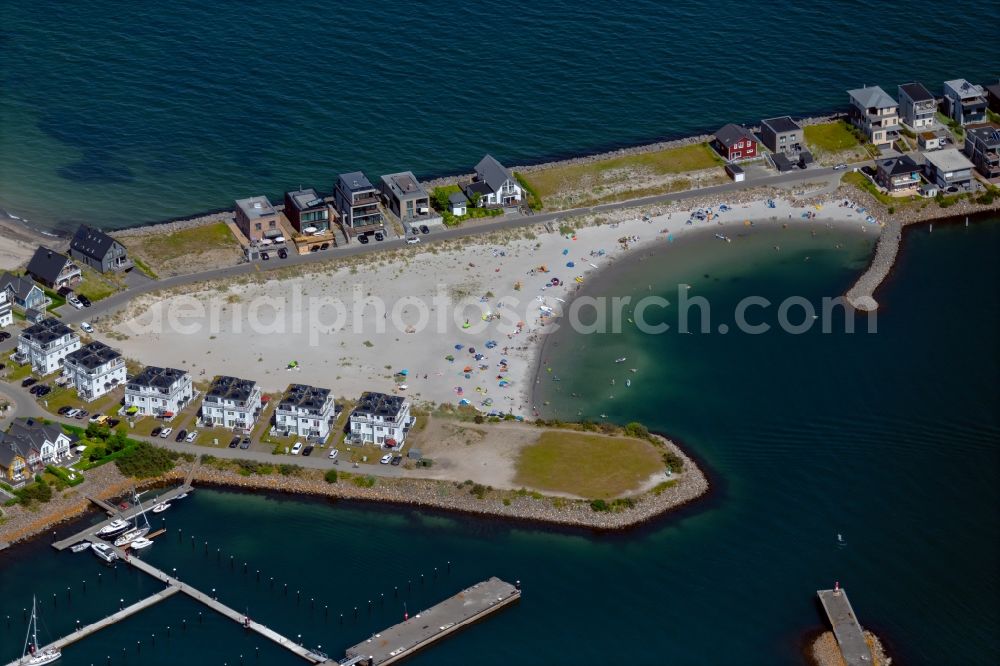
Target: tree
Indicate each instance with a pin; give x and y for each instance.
(636, 429)
(331, 476)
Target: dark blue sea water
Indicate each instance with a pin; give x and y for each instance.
(121, 113)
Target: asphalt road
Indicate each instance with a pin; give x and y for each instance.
(116, 301)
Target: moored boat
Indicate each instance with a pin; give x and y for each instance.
(32, 656)
(131, 536)
(80, 547)
(161, 507)
(114, 527)
(105, 552)
(140, 542)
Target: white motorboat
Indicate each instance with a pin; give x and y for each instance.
(114, 527)
(161, 507)
(621, 360)
(105, 552)
(32, 656)
(80, 547)
(140, 542)
(181, 496)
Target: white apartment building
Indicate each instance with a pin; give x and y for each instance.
(381, 419)
(305, 411)
(45, 345)
(159, 391)
(94, 370)
(232, 403)
(6, 310)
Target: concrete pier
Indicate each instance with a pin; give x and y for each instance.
(862, 295)
(427, 627)
(846, 627)
(130, 513)
(106, 622)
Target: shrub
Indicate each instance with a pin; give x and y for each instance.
(673, 461)
(635, 429)
(364, 481)
(479, 490)
(143, 461)
(330, 476)
(479, 419)
(289, 470)
(39, 491)
(599, 505)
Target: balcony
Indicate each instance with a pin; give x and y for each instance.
(364, 200)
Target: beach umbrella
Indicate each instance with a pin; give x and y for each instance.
(463, 401)
(458, 347)
(468, 376)
(404, 372)
(570, 264)
(467, 368)
(449, 358)
(565, 252)
(472, 350)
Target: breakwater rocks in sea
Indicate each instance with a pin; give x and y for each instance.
(861, 296)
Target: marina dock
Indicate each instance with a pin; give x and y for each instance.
(846, 627)
(114, 512)
(427, 627)
(106, 622)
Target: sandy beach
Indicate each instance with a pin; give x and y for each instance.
(18, 242)
(464, 321)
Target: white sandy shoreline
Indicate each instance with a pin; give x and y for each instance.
(255, 329)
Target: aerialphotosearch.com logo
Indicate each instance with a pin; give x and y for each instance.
(317, 317)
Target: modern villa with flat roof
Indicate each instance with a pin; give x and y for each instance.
(161, 392)
(876, 114)
(982, 147)
(948, 168)
(306, 209)
(257, 218)
(94, 370)
(964, 102)
(403, 194)
(357, 204)
(917, 107)
(305, 411)
(782, 135)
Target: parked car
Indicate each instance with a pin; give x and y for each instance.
(86, 328)
(43, 390)
(166, 432)
(34, 389)
(413, 240)
(4, 335)
(314, 248)
(333, 454)
(282, 253)
(83, 299)
(96, 418)
(82, 414)
(28, 382)
(308, 450)
(191, 436)
(297, 448)
(234, 442)
(379, 236)
(64, 410)
(424, 229)
(363, 240)
(181, 436)
(74, 301)
(396, 460)
(386, 459)
(245, 444)
(156, 431)
(265, 256)
(113, 423)
(72, 412)
(840, 167)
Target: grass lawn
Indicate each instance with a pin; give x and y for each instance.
(158, 249)
(549, 182)
(830, 137)
(16, 373)
(587, 465)
(63, 396)
(95, 286)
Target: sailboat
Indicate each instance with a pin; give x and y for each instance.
(31, 655)
(140, 529)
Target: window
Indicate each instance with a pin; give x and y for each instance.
(737, 155)
(258, 226)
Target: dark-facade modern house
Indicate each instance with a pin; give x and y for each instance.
(964, 102)
(948, 168)
(257, 218)
(53, 269)
(781, 135)
(98, 250)
(307, 211)
(982, 147)
(917, 107)
(993, 97)
(735, 143)
(898, 175)
(357, 204)
(405, 196)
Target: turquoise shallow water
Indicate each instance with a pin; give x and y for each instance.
(122, 113)
(890, 439)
